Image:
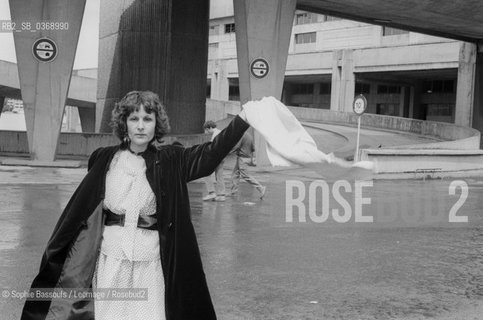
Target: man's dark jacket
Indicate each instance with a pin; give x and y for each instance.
(70, 257)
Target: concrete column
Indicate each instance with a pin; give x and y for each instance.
(88, 119)
(2, 103)
(405, 101)
(263, 30)
(348, 80)
(336, 80)
(465, 91)
(157, 45)
(219, 81)
(44, 85)
(343, 81)
(478, 101)
(411, 102)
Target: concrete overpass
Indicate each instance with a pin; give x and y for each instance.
(460, 20)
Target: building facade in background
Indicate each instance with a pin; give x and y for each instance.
(401, 73)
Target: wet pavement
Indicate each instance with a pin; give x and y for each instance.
(263, 262)
(266, 268)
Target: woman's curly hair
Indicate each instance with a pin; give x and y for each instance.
(131, 103)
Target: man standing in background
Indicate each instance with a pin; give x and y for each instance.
(244, 152)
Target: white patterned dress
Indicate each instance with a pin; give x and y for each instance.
(129, 256)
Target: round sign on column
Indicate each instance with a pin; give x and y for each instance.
(360, 104)
(259, 68)
(44, 50)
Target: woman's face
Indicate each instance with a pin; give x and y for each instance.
(140, 129)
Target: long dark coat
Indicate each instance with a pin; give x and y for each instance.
(70, 257)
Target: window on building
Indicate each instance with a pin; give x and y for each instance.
(234, 93)
(387, 109)
(331, 18)
(214, 30)
(438, 86)
(233, 89)
(388, 31)
(385, 89)
(229, 28)
(362, 88)
(325, 88)
(303, 88)
(448, 86)
(308, 37)
(439, 109)
(305, 18)
(212, 49)
(14, 105)
(427, 87)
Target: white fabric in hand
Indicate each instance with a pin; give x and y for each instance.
(289, 143)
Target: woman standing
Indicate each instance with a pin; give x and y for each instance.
(128, 224)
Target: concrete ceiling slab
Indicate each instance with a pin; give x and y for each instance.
(455, 19)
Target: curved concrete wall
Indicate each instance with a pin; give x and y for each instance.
(452, 136)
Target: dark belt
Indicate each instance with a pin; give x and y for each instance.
(144, 222)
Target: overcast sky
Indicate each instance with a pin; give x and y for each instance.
(87, 49)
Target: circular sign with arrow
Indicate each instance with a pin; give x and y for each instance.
(44, 50)
(259, 68)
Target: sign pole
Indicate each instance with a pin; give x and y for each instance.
(356, 156)
(359, 106)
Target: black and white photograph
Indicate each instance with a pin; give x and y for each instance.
(241, 160)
